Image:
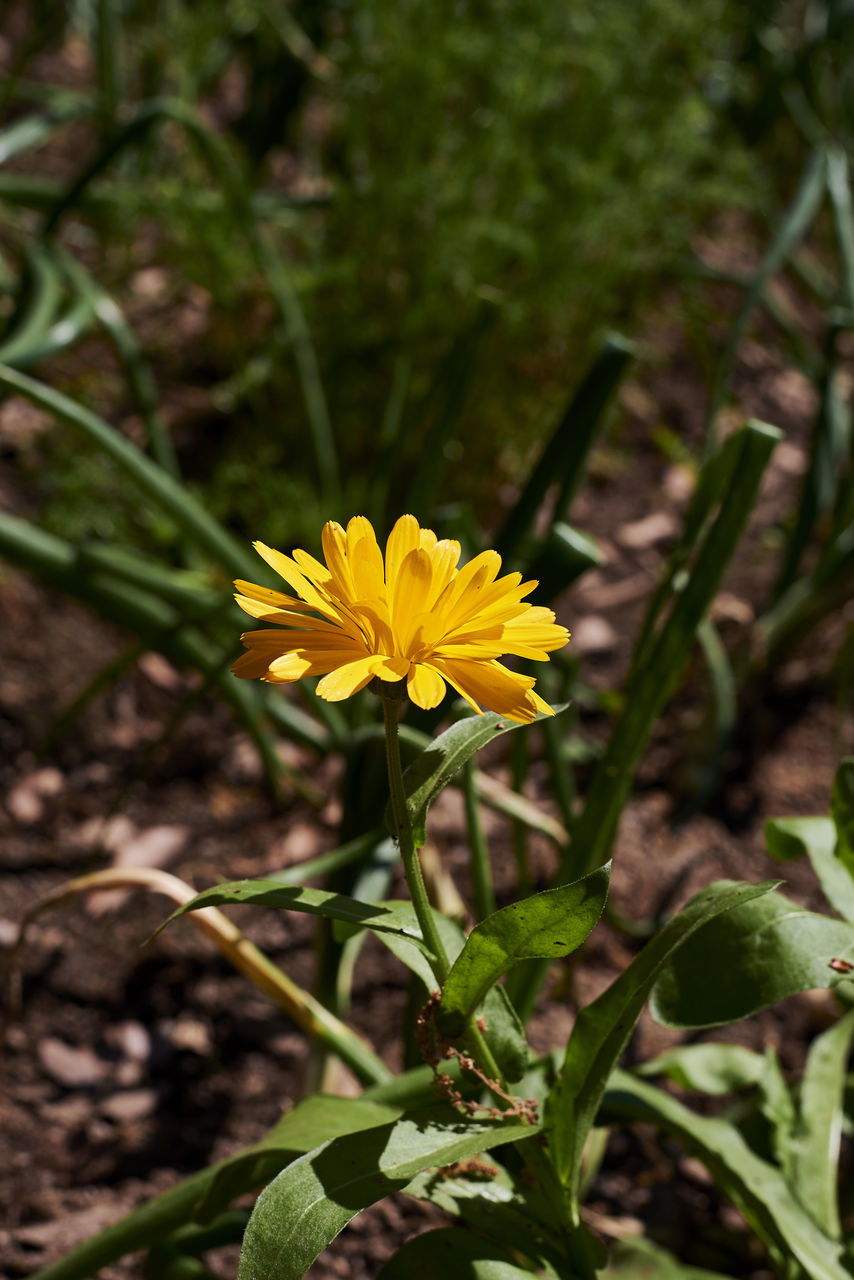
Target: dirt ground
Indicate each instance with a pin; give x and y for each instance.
(129, 1068)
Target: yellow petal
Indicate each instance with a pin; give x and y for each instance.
(490, 685)
(264, 595)
(290, 571)
(411, 592)
(425, 686)
(313, 569)
(334, 541)
(366, 566)
(404, 537)
(353, 676)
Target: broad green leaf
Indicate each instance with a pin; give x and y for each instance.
(757, 1188)
(454, 1254)
(789, 838)
(304, 1208)
(548, 924)
(317, 902)
(640, 1259)
(432, 770)
(772, 949)
(842, 812)
(602, 1029)
(707, 1068)
(819, 1127)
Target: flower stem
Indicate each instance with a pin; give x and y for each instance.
(408, 852)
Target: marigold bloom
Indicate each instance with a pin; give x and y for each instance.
(413, 617)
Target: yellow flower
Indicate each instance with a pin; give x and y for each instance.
(414, 617)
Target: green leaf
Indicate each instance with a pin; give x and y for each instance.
(772, 948)
(317, 902)
(432, 770)
(842, 812)
(756, 1187)
(602, 1029)
(789, 838)
(454, 1254)
(707, 1068)
(548, 924)
(819, 1126)
(302, 1211)
(153, 481)
(662, 653)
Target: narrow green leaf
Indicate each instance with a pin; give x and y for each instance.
(454, 1254)
(603, 1028)
(756, 1187)
(819, 1127)
(334, 860)
(305, 1207)
(660, 662)
(548, 924)
(41, 299)
(565, 555)
(842, 812)
(565, 455)
(789, 838)
(318, 902)
(773, 948)
(189, 513)
(790, 231)
(707, 1068)
(432, 770)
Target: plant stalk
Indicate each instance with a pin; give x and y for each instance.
(403, 833)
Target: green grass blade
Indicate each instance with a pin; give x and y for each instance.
(108, 59)
(791, 230)
(154, 482)
(136, 367)
(41, 298)
(839, 189)
(653, 680)
(565, 455)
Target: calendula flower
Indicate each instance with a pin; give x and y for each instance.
(411, 616)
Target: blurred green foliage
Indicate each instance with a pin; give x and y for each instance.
(408, 161)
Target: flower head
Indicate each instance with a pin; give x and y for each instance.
(412, 616)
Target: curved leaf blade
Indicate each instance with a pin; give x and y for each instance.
(317, 902)
(432, 770)
(773, 949)
(548, 924)
(305, 1207)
